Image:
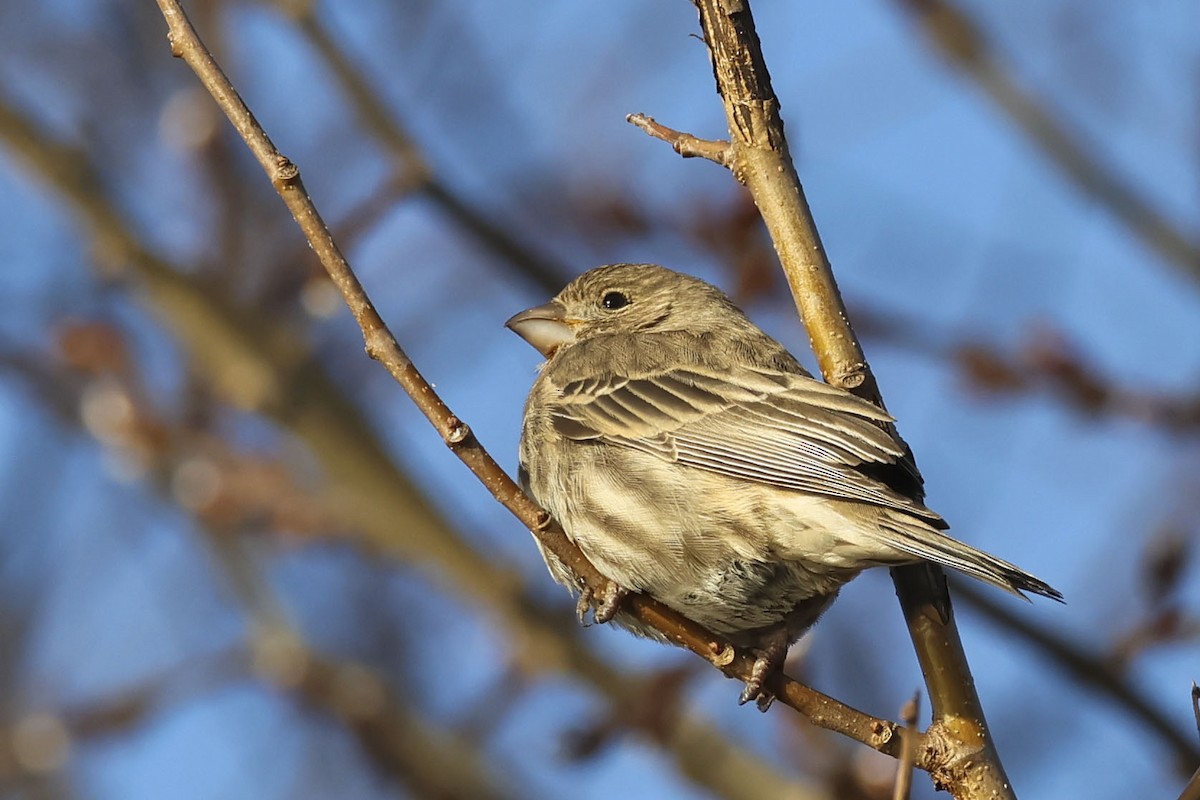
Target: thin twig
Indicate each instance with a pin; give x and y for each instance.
(383, 347)
(908, 750)
(685, 144)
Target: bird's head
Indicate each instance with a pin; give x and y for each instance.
(625, 298)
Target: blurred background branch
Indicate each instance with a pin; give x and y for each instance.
(367, 492)
(194, 338)
(961, 40)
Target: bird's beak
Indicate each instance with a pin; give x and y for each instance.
(544, 327)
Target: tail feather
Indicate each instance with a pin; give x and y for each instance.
(914, 537)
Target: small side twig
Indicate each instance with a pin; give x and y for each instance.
(908, 747)
(687, 145)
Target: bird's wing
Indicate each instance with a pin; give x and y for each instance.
(755, 424)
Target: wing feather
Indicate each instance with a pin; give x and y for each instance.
(755, 424)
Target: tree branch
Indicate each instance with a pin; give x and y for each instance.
(964, 44)
(902, 789)
(382, 346)
(1089, 669)
(970, 765)
(1192, 790)
(252, 362)
(1196, 705)
(414, 171)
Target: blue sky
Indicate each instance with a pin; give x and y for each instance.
(933, 205)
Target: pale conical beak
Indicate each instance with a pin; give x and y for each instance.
(544, 327)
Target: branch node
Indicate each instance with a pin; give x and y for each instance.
(285, 171)
(457, 431)
(687, 145)
(852, 376)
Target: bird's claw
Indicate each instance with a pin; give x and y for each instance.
(582, 604)
(768, 662)
(608, 602)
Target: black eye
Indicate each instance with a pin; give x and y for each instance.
(614, 300)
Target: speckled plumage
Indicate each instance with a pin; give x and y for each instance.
(691, 457)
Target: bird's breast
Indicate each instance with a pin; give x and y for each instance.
(701, 542)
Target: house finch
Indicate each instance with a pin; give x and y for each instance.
(691, 457)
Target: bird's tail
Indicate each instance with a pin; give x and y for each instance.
(914, 537)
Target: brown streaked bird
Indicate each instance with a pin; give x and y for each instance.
(692, 458)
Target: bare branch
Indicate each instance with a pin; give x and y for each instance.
(762, 162)
(382, 346)
(1196, 705)
(1192, 790)
(961, 41)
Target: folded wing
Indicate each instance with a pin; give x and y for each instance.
(755, 424)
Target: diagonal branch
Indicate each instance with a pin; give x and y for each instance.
(1192, 790)
(1089, 669)
(414, 171)
(382, 346)
(963, 43)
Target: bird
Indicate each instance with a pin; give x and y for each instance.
(692, 458)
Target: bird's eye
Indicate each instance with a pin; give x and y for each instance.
(614, 300)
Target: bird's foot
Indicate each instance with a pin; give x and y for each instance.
(607, 600)
(768, 662)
